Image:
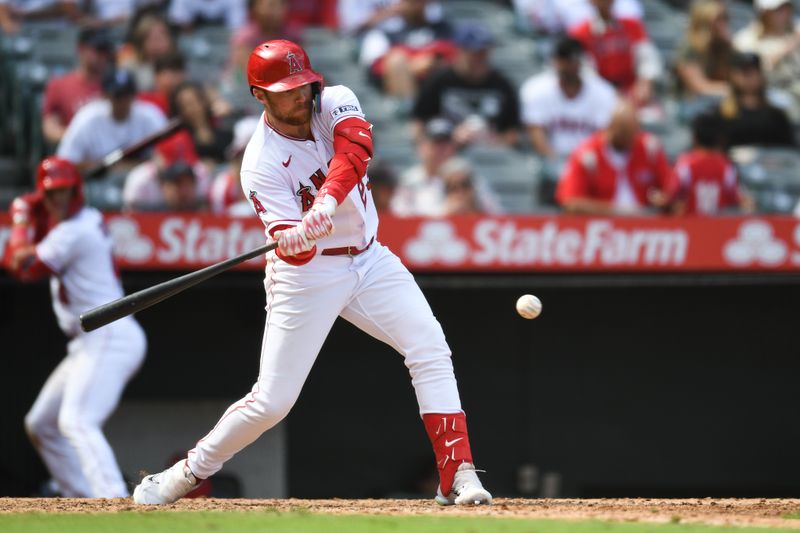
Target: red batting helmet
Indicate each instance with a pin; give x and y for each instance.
(278, 66)
(58, 173)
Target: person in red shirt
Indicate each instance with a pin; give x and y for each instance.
(705, 179)
(64, 95)
(170, 72)
(615, 171)
(622, 52)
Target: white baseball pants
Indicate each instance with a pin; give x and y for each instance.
(376, 293)
(65, 422)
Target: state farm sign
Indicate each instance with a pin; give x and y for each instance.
(486, 244)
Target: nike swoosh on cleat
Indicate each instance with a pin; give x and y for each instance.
(449, 443)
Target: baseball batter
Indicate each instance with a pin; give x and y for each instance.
(304, 172)
(54, 234)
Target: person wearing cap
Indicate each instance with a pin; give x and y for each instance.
(565, 104)
(161, 183)
(226, 196)
(747, 117)
(114, 122)
(480, 100)
(621, 50)
(421, 191)
(775, 36)
(65, 95)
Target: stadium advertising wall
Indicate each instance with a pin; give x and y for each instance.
(487, 244)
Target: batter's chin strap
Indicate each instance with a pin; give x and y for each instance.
(316, 96)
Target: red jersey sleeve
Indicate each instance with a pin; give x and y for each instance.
(574, 182)
(635, 29)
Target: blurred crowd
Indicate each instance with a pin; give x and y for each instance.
(592, 117)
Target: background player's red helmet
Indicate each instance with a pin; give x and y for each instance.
(278, 66)
(58, 173)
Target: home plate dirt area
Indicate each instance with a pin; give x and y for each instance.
(783, 513)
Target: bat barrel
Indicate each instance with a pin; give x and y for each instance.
(138, 301)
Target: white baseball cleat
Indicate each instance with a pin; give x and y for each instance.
(165, 487)
(467, 489)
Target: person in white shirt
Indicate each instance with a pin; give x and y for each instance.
(16, 12)
(114, 122)
(188, 13)
(563, 106)
(558, 16)
(54, 234)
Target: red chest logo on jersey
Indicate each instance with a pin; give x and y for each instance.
(294, 64)
(304, 191)
(256, 203)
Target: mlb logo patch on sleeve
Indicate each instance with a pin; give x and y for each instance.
(344, 109)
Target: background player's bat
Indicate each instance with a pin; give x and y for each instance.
(107, 313)
(146, 142)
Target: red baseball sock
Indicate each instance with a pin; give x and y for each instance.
(448, 434)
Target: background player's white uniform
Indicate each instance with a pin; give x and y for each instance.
(368, 287)
(66, 419)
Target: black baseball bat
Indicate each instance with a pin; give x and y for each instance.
(122, 307)
(145, 142)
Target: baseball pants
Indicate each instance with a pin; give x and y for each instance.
(377, 294)
(65, 422)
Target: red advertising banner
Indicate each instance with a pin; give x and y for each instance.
(486, 243)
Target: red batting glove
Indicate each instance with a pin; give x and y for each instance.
(293, 241)
(317, 223)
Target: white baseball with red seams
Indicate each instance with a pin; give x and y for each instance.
(369, 287)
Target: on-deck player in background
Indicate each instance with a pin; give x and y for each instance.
(54, 234)
(304, 172)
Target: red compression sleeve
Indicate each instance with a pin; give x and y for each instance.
(352, 146)
(296, 260)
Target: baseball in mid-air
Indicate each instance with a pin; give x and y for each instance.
(529, 306)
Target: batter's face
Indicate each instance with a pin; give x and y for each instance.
(56, 201)
(289, 107)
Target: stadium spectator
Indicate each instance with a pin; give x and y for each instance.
(383, 179)
(421, 190)
(13, 13)
(211, 138)
(747, 116)
(563, 106)
(559, 16)
(116, 121)
(775, 37)
(622, 52)
(150, 38)
(173, 180)
(266, 20)
(406, 50)
(226, 195)
(704, 60)
(305, 13)
(615, 171)
(705, 181)
(170, 72)
(471, 93)
(64, 95)
(187, 14)
(460, 197)
(356, 17)
(107, 13)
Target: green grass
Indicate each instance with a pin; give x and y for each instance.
(252, 522)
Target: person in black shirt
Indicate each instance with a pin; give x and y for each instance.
(747, 117)
(471, 93)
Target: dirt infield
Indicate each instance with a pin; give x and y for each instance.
(763, 512)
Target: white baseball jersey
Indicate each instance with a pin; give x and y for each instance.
(93, 132)
(281, 175)
(567, 121)
(78, 251)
